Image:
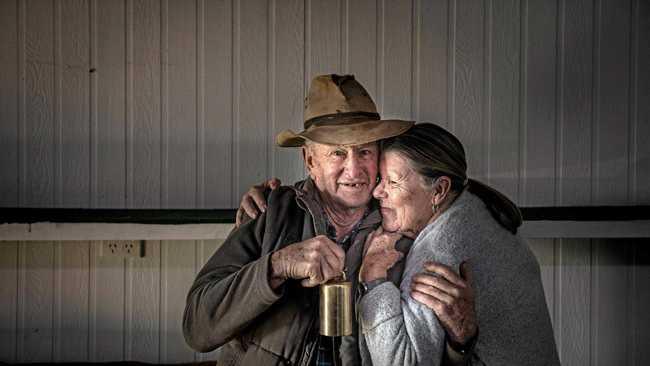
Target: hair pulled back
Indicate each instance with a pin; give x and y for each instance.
(433, 152)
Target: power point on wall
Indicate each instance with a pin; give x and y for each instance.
(123, 248)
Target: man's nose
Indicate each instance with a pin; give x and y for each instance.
(353, 165)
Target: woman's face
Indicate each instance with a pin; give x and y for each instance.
(405, 203)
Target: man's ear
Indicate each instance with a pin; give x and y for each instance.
(307, 157)
(441, 189)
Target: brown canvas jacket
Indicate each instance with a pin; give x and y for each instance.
(232, 304)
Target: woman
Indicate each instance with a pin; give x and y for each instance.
(425, 194)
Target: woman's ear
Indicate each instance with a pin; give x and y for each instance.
(441, 189)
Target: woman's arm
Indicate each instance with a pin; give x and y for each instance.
(397, 329)
(400, 330)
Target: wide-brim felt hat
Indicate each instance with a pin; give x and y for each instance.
(339, 111)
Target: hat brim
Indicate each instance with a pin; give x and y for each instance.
(349, 134)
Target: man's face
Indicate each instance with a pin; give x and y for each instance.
(344, 175)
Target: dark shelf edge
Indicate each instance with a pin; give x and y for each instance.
(14, 215)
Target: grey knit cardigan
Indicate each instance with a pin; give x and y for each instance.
(514, 323)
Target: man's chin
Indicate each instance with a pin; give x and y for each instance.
(355, 202)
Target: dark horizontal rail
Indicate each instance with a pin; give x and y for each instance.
(139, 216)
(225, 216)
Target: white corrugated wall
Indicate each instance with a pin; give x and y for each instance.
(175, 104)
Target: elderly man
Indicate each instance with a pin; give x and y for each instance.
(257, 293)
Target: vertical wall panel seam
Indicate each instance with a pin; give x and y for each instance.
(633, 162)
(200, 104)
(93, 199)
(415, 35)
(633, 292)
(416, 29)
(58, 103)
(20, 289)
(559, 102)
(381, 26)
(126, 323)
(16, 300)
(128, 130)
(594, 307)
(164, 104)
(523, 102)
(88, 309)
(270, 99)
(54, 298)
(197, 245)
(342, 36)
(22, 132)
(235, 103)
(486, 126)
(92, 302)
(162, 300)
(451, 66)
(307, 43)
(595, 195)
(57, 269)
(558, 245)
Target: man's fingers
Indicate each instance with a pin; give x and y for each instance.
(439, 283)
(308, 282)
(433, 292)
(333, 266)
(445, 272)
(338, 251)
(328, 246)
(316, 273)
(327, 270)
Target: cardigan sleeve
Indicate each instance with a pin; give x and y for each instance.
(398, 330)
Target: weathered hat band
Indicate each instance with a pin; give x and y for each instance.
(341, 118)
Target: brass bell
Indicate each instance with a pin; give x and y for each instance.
(336, 308)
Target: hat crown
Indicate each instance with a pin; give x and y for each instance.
(336, 94)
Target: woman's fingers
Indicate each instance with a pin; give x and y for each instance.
(429, 301)
(433, 292)
(446, 272)
(382, 241)
(439, 283)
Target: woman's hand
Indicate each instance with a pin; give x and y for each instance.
(451, 298)
(254, 201)
(380, 255)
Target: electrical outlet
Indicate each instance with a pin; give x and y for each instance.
(123, 248)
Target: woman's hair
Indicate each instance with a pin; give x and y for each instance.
(433, 152)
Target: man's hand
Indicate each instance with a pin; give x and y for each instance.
(314, 261)
(450, 296)
(380, 255)
(253, 202)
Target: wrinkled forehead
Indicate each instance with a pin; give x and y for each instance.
(393, 162)
(318, 147)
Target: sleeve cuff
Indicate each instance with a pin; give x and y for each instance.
(266, 292)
